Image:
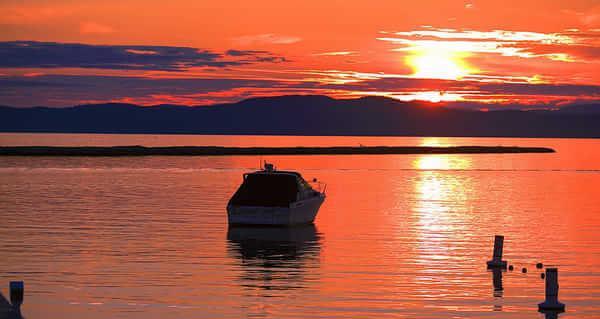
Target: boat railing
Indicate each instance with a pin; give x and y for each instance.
(319, 186)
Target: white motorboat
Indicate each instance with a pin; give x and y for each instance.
(271, 197)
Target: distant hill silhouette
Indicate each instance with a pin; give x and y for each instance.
(305, 115)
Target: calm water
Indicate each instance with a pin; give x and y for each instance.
(403, 236)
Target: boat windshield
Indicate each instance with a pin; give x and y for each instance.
(271, 190)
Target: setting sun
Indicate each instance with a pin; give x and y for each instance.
(438, 63)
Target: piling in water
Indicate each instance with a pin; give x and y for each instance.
(551, 302)
(497, 261)
(17, 290)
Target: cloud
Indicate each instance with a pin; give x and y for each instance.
(336, 53)
(243, 52)
(66, 90)
(468, 87)
(569, 46)
(500, 35)
(267, 38)
(32, 54)
(258, 56)
(94, 28)
(542, 89)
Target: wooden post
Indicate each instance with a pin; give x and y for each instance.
(17, 290)
(497, 261)
(551, 302)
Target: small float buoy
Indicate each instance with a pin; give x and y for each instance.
(539, 265)
(511, 268)
(524, 270)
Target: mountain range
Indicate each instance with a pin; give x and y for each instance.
(306, 115)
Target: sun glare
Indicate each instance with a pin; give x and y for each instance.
(441, 162)
(438, 63)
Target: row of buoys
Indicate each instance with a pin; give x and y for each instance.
(511, 268)
(524, 269)
(551, 276)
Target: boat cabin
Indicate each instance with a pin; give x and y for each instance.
(270, 188)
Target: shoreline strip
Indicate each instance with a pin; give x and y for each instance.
(232, 151)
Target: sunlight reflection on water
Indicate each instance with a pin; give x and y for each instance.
(436, 162)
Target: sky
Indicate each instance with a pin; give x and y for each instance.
(532, 54)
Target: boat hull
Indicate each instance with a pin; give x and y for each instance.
(298, 213)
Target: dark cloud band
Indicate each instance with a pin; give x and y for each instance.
(32, 54)
(67, 90)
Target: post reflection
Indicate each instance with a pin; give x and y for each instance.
(497, 282)
(498, 288)
(551, 314)
(274, 258)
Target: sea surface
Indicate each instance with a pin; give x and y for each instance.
(399, 236)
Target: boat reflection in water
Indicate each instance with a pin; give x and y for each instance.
(7, 311)
(275, 258)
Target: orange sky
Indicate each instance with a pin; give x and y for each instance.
(525, 52)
